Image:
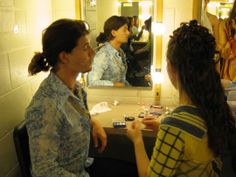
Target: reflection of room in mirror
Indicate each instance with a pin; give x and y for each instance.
(220, 9)
(138, 49)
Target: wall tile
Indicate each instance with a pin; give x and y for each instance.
(4, 74)
(12, 107)
(15, 172)
(17, 88)
(7, 154)
(19, 61)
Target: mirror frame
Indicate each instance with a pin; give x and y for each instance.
(157, 42)
(197, 9)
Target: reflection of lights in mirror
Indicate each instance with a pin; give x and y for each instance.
(92, 3)
(16, 29)
(220, 9)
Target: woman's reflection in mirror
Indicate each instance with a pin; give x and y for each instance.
(139, 58)
(133, 67)
(134, 25)
(109, 66)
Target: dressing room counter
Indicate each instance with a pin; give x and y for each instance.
(117, 113)
(119, 146)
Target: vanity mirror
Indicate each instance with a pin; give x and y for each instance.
(139, 47)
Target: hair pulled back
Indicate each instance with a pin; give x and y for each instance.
(61, 35)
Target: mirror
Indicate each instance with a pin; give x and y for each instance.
(138, 49)
(219, 8)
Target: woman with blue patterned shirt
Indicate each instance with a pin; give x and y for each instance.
(109, 65)
(193, 139)
(57, 120)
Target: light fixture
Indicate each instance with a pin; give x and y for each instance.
(158, 28)
(157, 76)
(118, 4)
(16, 29)
(92, 3)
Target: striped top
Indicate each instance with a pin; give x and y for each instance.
(181, 148)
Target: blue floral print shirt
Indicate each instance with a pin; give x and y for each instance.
(109, 65)
(58, 125)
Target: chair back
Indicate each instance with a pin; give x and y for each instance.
(21, 141)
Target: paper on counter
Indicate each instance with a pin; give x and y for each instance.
(99, 108)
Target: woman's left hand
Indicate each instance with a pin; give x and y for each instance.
(134, 131)
(98, 133)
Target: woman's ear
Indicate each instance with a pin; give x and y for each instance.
(63, 57)
(170, 68)
(113, 33)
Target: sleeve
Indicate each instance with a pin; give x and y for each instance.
(100, 64)
(44, 139)
(224, 45)
(167, 153)
(147, 47)
(137, 37)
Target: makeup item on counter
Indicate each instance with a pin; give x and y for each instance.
(141, 115)
(119, 124)
(156, 106)
(129, 118)
(115, 103)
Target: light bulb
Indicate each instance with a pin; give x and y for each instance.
(158, 28)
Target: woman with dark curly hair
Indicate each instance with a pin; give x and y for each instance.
(192, 139)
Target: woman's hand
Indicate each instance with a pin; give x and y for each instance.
(152, 123)
(98, 133)
(134, 131)
(148, 77)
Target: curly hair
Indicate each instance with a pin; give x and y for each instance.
(190, 51)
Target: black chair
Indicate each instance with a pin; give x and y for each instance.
(21, 141)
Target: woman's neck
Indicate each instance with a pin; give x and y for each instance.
(67, 78)
(116, 45)
(184, 98)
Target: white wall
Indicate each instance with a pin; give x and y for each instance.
(105, 9)
(16, 51)
(174, 13)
